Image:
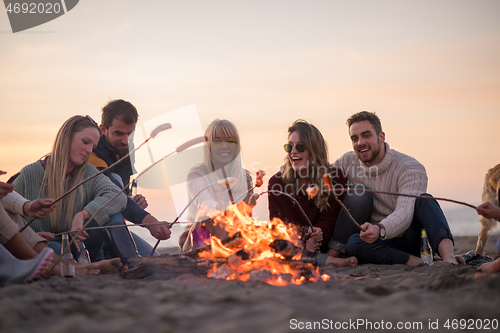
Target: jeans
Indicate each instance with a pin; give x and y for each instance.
(427, 214)
(143, 247)
(360, 207)
(94, 243)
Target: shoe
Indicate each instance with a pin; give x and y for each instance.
(14, 270)
(473, 258)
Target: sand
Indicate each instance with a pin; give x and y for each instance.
(382, 295)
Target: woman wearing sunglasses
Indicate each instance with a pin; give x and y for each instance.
(221, 160)
(66, 166)
(305, 163)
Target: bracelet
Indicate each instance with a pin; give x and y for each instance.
(24, 205)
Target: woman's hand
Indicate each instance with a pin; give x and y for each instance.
(315, 240)
(77, 224)
(40, 208)
(47, 235)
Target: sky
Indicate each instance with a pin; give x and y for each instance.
(429, 69)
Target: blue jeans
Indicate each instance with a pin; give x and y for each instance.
(94, 243)
(427, 214)
(143, 247)
(359, 206)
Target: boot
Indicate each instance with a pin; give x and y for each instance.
(121, 244)
(15, 270)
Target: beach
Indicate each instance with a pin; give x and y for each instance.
(363, 298)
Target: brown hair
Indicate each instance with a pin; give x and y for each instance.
(119, 109)
(368, 116)
(312, 138)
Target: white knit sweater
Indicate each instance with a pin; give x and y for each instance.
(397, 172)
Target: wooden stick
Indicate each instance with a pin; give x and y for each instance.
(189, 203)
(295, 200)
(120, 226)
(347, 212)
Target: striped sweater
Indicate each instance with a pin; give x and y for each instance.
(397, 172)
(95, 193)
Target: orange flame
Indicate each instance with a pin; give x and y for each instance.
(249, 257)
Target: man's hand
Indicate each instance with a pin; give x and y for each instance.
(159, 231)
(315, 240)
(371, 233)
(141, 201)
(5, 189)
(40, 208)
(489, 210)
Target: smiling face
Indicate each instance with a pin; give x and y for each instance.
(223, 150)
(117, 135)
(367, 144)
(81, 147)
(298, 160)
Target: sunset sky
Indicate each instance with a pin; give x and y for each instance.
(429, 69)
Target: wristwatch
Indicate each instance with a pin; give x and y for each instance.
(382, 230)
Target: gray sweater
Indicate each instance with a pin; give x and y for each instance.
(95, 193)
(397, 172)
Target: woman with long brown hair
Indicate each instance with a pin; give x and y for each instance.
(305, 164)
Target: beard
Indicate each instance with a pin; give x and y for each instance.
(374, 152)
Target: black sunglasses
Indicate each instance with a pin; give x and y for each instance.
(299, 146)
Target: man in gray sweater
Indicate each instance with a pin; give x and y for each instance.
(392, 234)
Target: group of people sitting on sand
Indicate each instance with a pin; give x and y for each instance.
(391, 224)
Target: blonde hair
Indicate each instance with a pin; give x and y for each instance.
(224, 129)
(55, 183)
(318, 165)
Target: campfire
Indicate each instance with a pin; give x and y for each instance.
(257, 251)
(271, 252)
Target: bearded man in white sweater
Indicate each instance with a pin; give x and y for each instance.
(392, 234)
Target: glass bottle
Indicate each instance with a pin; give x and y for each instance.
(133, 189)
(83, 257)
(67, 262)
(425, 249)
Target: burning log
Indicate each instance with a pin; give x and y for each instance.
(222, 272)
(168, 267)
(238, 258)
(285, 248)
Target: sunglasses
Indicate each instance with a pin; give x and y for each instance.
(91, 120)
(217, 143)
(299, 146)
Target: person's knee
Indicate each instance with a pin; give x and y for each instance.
(422, 202)
(352, 245)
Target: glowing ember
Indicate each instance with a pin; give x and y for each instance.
(259, 251)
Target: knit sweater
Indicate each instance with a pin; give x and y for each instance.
(396, 172)
(94, 194)
(14, 202)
